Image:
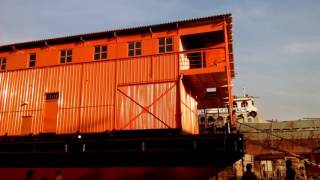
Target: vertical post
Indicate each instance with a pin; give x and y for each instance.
(205, 120)
(201, 59)
(177, 53)
(178, 104)
(228, 68)
(113, 126)
(218, 101)
(80, 98)
(178, 94)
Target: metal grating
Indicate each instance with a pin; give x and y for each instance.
(52, 96)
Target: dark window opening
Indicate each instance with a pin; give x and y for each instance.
(235, 105)
(66, 56)
(100, 52)
(32, 60)
(244, 104)
(52, 96)
(200, 41)
(3, 64)
(134, 48)
(165, 45)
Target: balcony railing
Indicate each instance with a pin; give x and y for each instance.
(204, 58)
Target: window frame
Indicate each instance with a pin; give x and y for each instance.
(244, 104)
(52, 96)
(32, 60)
(137, 51)
(165, 45)
(100, 53)
(3, 63)
(67, 57)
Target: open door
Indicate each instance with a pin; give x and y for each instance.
(50, 112)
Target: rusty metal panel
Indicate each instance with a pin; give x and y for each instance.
(98, 95)
(148, 106)
(147, 69)
(189, 114)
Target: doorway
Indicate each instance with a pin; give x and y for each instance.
(50, 112)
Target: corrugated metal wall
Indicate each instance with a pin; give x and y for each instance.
(189, 114)
(19, 98)
(149, 69)
(93, 97)
(146, 106)
(67, 81)
(98, 95)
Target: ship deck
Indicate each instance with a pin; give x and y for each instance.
(134, 148)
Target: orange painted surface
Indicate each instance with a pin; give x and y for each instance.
(157, 68)
(83, 52)
(89, 97)
(229, 75)
(118, 93)
(201, 29)
(215, 57)
(189, 110)
(99, 96)
(117, 47)
(50, 116)
(26, 125)
(146, 106)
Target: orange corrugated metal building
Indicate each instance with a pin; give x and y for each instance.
(146, 77)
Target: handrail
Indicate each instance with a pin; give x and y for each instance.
(199, 59)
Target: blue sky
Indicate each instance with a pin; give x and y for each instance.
(276, 43)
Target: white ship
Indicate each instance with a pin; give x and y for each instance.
(244, 107)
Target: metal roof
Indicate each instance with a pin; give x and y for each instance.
(125, 31)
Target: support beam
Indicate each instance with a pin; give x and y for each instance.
(232, 120)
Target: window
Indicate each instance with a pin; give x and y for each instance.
(66, 56)
(165, 45)
(244, 104)
(100, 52)
(52, 96)
(32, 60)
(3, 64)
(235, 105)
(134, 48)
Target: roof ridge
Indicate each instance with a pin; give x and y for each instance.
(34, 42)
